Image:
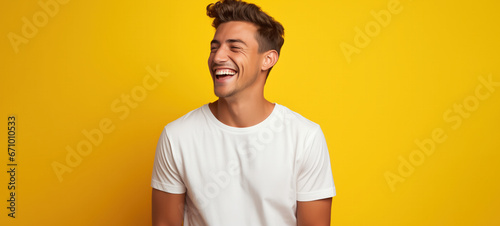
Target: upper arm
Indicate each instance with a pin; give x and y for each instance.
(314, 173)
(314, 213)
(167, 208)
(166, 175)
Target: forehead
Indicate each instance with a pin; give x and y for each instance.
(236, 30)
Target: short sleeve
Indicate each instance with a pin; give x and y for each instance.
(165, 173)
(314, 175)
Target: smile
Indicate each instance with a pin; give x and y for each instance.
(223, 73)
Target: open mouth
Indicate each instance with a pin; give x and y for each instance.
(221, 74)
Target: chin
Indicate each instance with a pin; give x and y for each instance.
(223, 93)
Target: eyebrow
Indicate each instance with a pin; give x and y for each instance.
(229, 41)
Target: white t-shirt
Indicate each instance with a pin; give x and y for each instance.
(243, 176)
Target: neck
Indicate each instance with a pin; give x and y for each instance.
(241, 113)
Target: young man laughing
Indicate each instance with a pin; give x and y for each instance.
(242, 160)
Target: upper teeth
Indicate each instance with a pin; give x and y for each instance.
(225, 72)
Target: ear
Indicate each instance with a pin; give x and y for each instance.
(270, 59)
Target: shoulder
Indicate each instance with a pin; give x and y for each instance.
(296, 121)
(306, 134)
(188, 122)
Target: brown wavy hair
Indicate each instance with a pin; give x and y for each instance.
(270, 33)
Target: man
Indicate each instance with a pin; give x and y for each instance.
(242, 160)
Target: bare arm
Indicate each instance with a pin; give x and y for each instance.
(314, 213)
(168, 209)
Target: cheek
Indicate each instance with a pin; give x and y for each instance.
(209, 61)
(253, 65)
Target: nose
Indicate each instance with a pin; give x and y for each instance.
(221, 55)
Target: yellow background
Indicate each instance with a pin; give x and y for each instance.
(430, 56)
